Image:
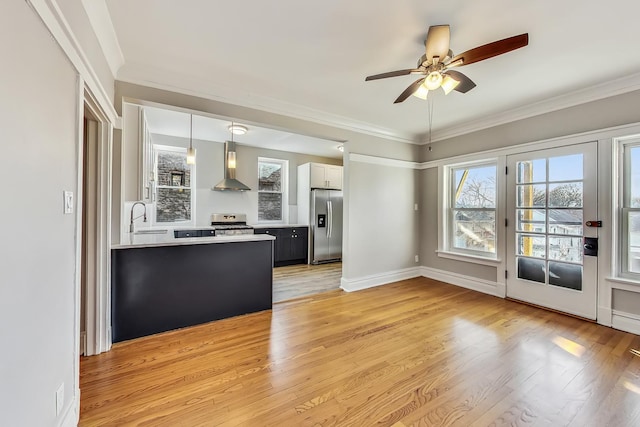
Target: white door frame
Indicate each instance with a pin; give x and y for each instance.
(581, 303)
(97, 300)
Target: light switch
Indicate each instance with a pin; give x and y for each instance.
(68, 202)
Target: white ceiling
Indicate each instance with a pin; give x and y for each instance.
(175, 123)
(309, 59)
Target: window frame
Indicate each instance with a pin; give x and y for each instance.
(447, 189)
(284, 190)
(624, 206)
(192, 187)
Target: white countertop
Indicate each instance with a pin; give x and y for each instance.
(168, 239)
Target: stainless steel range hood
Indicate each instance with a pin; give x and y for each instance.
(230, 183)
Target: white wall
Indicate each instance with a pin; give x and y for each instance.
(210, 171)
(38, 311)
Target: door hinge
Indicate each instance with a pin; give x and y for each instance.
(506, 222)
(506, 170)
(505, 274)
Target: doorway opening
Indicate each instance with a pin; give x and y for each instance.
(94, 231)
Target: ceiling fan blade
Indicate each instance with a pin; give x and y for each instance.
(393, 74)
(465, 85)
(490, 50)
(409, 91)
(437, 43)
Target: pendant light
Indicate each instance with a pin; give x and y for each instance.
(231, 152)
(191, 152)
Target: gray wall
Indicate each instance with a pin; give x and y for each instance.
(77, 18)
(608, 112)
(382, 236)
(626, 301)
(428, 184)
(210, 171)
(604, 113)
(356, 142)
(38, 308)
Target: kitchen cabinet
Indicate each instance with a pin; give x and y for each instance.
(313, 176)
(322, 176)
(147, 170)
(290, 246)
(161, 288)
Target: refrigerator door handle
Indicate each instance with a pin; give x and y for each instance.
(330, 219)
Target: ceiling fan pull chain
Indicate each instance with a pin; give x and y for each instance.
(430, 115)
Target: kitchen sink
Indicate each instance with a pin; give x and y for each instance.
(158, 231)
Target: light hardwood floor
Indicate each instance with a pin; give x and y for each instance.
(413, 353)
(302, 280)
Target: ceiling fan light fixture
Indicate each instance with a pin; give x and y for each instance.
(449, 84)
(433, 80)
(238, 129)
(422, 92)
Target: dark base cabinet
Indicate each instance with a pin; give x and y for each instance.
(157, 289)
(290, 246)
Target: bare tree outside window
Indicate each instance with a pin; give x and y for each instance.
(270, 189)
(473, 211)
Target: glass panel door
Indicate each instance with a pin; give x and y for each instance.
(550, 196)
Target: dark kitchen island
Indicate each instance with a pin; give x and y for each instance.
(159, 283)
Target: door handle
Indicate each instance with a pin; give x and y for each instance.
(330, 211)
(590, 246)
(328, 218)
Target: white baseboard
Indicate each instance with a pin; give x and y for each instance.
(72, 415)
(351, 285)
(625, 322)
(468, 282)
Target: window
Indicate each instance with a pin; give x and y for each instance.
(174, 198)
(630, 209)
(272, 179)
(471, 209)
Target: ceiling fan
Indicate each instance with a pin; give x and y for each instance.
(437, 63)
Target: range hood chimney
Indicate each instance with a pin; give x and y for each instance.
(230, 183)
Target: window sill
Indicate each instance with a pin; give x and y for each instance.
(469, 258)
(625, 283)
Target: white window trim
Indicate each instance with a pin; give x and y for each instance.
(284, 192)
(154, 222)
(621, 255)
(444, 195)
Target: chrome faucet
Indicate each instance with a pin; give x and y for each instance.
(131, 228)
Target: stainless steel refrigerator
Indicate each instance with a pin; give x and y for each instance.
(326, 226)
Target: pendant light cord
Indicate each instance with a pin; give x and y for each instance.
(191, 131)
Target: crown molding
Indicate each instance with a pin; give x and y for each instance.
(194, 86)
(383, 161)
(600, 91)
(100, 20)
(53, 19)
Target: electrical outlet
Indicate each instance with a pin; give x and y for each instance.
(59, 399)
(68, 202)
(417, 258)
